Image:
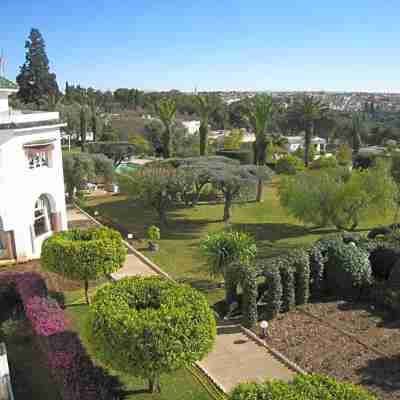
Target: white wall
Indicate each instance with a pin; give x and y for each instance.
(20, 187)
(3, 102)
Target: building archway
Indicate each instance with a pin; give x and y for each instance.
(7, 247)
(44, 216)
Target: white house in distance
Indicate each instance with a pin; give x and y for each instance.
(32, 200)
(192, 127)
(295, 142)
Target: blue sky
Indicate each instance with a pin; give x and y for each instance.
(214, 45)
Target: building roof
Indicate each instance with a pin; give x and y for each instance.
(6, 84)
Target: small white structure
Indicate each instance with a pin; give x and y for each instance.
(32, 200)
(296, 142)
(192, 127)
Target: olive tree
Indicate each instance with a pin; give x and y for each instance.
(82, 167)
(155, 186)
(150, 326)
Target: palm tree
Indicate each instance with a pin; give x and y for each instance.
(307, 112)
(205, 107)
(166, 111)
(259, 114)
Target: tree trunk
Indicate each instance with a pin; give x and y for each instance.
(260, 190)
(166, 143)
(227, 209)
(203, 139)
(154, 384)
(87, 292)
(307, 143)
(163, 218)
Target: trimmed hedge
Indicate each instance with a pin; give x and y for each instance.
(71, 367)
(348, 269)
(84, 254)
(288, 286)
(289, 165)
(301, 264)
(245, 157)
(150, 326)
(303, 387)
(273, 298)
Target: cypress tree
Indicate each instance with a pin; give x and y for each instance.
(35, 79)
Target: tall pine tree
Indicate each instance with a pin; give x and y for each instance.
(35, 80)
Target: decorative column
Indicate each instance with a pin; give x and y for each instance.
(55, 221)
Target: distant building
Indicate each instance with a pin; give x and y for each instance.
(296, 142)
(32, 201)
(192, 127)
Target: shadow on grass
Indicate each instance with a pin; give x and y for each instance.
(382, 372)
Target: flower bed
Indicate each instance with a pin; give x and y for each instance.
(71, 367)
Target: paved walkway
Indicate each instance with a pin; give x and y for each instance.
(235, 358)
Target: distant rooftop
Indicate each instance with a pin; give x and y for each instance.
(6, 84)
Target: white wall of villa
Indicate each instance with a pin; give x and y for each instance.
(32, 199)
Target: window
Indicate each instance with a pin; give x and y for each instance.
(41, 222)
(38, 159)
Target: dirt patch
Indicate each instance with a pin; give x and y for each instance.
(320, 348)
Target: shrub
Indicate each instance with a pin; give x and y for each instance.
(245, 157)
(324, 162)
(223, 248)
(383, 258)
(288, 286)
(301, 266)
(394, 277)
(318, 256)
(84, 254)
(347, 268)
(303, 387)
(71, 367)
(289, 165)
(150, 326)
(153, 233)
(273, 298)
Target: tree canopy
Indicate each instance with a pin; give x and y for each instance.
(35, 80)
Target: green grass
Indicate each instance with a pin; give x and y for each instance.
(179, 255)
(182, 385)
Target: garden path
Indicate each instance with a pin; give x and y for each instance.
(236, 357)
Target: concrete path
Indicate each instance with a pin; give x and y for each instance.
(236, 358)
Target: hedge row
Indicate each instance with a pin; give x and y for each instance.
(303, 387)
(71, 367)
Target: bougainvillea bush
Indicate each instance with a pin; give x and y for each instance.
(71, 367)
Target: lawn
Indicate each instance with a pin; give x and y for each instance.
(179, 253)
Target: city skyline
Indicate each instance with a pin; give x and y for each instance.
(293, 46)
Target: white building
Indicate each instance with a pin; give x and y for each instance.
(32, 201)
(192, 127)
(296, 142)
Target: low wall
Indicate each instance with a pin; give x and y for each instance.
(6, 392)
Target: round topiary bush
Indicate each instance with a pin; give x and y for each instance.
(150, 326)
(383, 258)
(347, 269)
(84, 254)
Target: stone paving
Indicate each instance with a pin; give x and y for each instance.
(235, 358)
